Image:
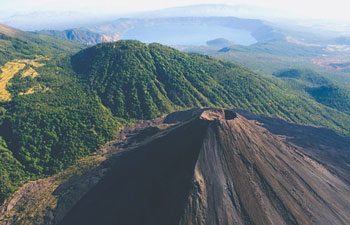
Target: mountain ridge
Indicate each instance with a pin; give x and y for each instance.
(253, 172)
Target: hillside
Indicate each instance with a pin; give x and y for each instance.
(305, 75)
(16, 44)
(177, 177)
(142, 81)
(78, 35)
(286, 52)
(318, 87)
(333, 96)
(48, 119)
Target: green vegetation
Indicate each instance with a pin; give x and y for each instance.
(6, 74)
(141, 81)
(12, 173)
(312, 84)
(22, 45)
(58, 120)
(306, 75)
(274, 56)
(333, 96)
(71, 106)
(50, 129)
(285, 48)
(22, 68)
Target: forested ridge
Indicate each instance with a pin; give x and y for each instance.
(137, 80)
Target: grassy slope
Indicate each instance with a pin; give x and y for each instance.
(7, 73)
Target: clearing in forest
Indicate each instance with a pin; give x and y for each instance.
(10, 69)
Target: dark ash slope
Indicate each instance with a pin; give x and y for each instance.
(218, 168)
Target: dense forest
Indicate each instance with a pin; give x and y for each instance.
(48, 128)
(141, 81)
(319, 88)
(71, 105)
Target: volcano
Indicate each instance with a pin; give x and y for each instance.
(215, 168)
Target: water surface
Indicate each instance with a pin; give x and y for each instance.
(188, 34)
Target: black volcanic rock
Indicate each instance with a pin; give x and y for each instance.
(217, 168)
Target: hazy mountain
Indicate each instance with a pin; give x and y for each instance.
(67, 19)
(79, 35)
(216, 10)
(220, 43)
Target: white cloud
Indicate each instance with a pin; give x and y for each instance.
(304, 8)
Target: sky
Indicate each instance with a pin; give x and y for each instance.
(335, 9)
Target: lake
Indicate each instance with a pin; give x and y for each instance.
(188, 34)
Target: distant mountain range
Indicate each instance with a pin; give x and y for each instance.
(63, 20)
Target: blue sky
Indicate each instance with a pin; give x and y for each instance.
(335, 9)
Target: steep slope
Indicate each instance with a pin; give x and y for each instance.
(83, 36)
(142, 81)
(218, 168)
(322, 144)
(48, 119)
(53, 197)
(11, 170)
